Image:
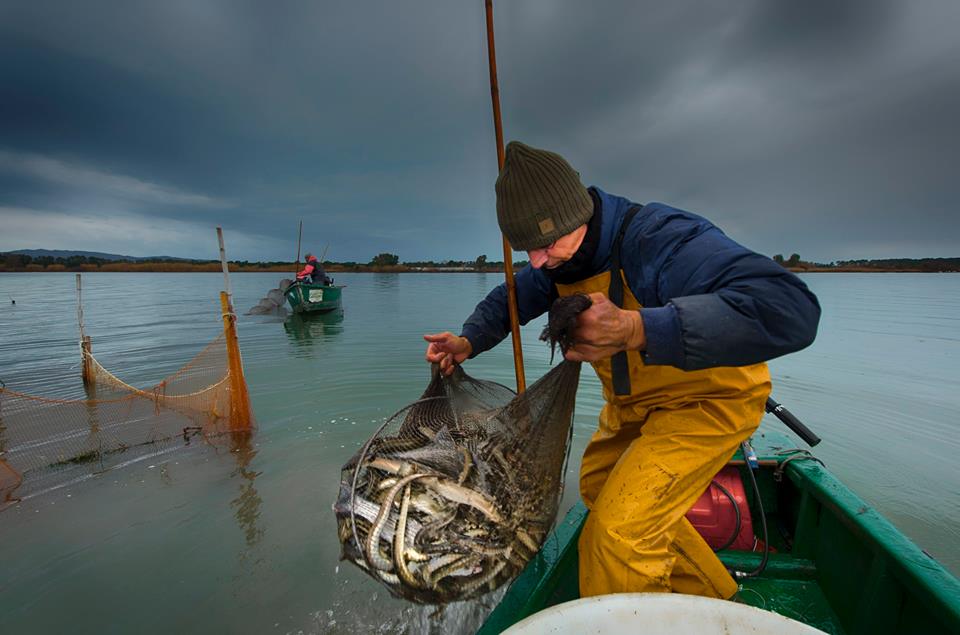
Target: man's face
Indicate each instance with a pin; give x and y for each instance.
(559, 251)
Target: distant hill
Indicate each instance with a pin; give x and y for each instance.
(66, 253)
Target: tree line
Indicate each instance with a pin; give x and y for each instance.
(925, 265)
(391, 262)
(381, 262)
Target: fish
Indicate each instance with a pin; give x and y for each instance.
(374, 558)
(426, 533)
(442, 455)
(562, 321)
(449, 498)
(399, 542)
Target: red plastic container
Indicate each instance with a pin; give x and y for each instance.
(714, 517)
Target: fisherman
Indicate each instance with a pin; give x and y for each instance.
(681, 323)
(313, 272)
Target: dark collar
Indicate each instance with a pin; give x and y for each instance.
(580, 266)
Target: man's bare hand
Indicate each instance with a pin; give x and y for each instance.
(604, 330)
(447, 350)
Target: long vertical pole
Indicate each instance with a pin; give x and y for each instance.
(223, 265)
(86, 345)
(507, 251)
(299, 234)
(80, 308)
(240, 417)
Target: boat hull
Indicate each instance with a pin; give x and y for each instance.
(837, 564)
(314, 298)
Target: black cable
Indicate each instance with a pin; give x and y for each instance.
(763, 521)
(736, 508)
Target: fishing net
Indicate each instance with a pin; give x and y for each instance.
(45, 443)
(274, 302)
(455, 493)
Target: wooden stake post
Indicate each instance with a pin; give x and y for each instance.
(296, 267)
(507, 251)
(86, 344)
(241, 419)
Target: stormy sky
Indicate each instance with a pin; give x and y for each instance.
(824, 127)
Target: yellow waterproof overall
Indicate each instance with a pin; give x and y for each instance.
(653, 454)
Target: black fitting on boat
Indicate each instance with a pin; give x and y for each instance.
(792, 422)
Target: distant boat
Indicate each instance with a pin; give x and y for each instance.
(314, 298)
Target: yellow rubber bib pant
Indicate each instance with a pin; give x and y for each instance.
(653, 455)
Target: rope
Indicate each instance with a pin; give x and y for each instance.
(793, 454)
(48, 439)
(151, 393)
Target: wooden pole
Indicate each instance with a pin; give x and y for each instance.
(86, 344)
(80, 306)
(223, 265)
(507, 251)
(240, 416)
(299, 235)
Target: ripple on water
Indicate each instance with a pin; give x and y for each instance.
(254, 530)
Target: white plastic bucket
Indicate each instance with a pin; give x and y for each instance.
(657, 614)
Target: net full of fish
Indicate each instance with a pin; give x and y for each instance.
(453, 495)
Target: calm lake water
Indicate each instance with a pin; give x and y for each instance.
(189, 541)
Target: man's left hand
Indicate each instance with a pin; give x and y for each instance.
(604, 330)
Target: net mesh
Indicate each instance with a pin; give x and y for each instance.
(45, 443)
(273, 303)
(456, 492)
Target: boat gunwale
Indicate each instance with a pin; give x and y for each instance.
(905, 560)
(931, 584)
(300, 304)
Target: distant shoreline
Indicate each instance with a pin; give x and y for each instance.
(237, 268)
(80, 262)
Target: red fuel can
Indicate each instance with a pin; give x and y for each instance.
(714, 516)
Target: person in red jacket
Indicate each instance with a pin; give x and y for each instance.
(313, 272)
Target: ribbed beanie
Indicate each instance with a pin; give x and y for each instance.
(539, 197)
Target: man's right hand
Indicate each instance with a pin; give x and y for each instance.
(447, 350)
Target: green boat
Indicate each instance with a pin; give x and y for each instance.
(835, 564)
(314, 298)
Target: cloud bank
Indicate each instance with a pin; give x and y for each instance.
(823, 128)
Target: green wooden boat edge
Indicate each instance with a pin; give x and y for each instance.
(896, 560)
(300, 304)
(533, 588)
(896, 554)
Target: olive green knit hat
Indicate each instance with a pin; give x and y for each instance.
(539, 197)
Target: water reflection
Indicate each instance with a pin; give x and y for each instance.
(247, 503)
(386, 281)
(10, 479)
(304, 330)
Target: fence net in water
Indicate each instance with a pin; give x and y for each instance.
(457, 492)
(46, 443)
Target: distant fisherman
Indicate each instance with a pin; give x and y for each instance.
(313, 272)
(681, 323)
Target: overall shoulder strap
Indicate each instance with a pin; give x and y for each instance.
(618, 363)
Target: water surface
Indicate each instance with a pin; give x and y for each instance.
(205, 539)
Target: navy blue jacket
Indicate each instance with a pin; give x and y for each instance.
(707, 301)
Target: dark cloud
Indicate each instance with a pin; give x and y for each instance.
(825, 128)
